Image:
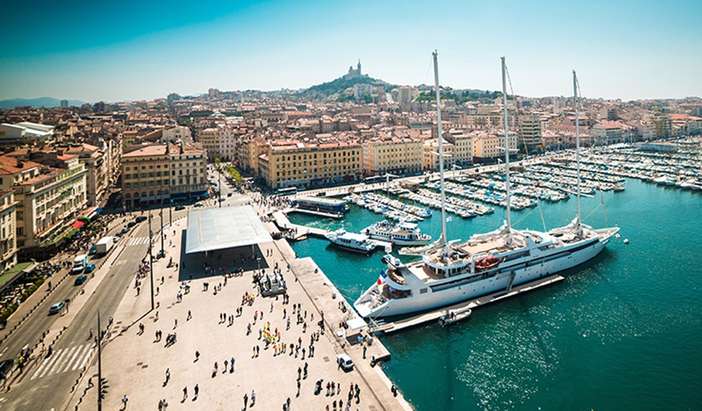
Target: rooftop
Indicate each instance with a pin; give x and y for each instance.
(212, 229)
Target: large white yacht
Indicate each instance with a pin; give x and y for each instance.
(402, 233)
(451, 272)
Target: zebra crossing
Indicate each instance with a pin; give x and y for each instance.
(64, 360)
(138, 241)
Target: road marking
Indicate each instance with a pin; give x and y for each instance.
(59, 363)
(3, 351)
(86, 357)
(138, 241)
(65, 360)
(41, 367)
(75, 354)
(52, 363)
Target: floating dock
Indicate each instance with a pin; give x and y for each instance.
(297, 232)
(419, 319)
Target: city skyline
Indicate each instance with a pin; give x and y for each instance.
(142, 50)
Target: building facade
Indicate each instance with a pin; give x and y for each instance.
(392, 155)
(161, 173)
(8, 230)
(296, 164)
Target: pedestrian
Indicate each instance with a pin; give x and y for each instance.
(253, 398)
(197, 356)
(124, 402)
(185, 394)
(190, 315)
(197, 391)
(231, 370)
(168, 376)
(246, 400)
(175, 323)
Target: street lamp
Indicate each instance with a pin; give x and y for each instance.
(151, 263)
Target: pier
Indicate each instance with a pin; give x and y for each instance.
(296, 232)
(419, 319)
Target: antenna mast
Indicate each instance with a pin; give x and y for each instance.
(577, 142)
(444, 240)
(508, 219)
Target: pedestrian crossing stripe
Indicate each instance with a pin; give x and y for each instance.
(138, 241)
(65, 359)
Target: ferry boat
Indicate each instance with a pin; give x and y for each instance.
(403, 233)
(358, 243)
(450, 273)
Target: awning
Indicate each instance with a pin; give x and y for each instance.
(212, 229)
(78, 224)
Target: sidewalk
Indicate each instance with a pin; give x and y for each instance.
(135, 365)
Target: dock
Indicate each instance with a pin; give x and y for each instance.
(419, 319)
(296, 232)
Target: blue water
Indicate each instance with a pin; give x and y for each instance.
(623, 332)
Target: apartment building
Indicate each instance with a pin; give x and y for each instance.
(49, 192)
(98, 176)
(530, 133)
(159, 173)
(392, 154)
(431, 157)
(209, 139)
(462, 141)
(248, 154)
(488, 146)
(8, 230)
(297, 164)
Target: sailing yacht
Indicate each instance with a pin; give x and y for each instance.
(452, 272)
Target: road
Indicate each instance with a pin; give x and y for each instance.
(47, 382)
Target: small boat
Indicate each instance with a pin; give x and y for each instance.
(454, 316)
(403, 233)
(351, 241)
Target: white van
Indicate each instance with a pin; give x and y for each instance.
(79, 263)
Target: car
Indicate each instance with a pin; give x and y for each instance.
(345, 362)
(179, 207)
(131, 224)
(125, 230)
(229, 194)
(80, 279)
(89, 268)
(140, 218)
(56, 308)
(198, 205)
(5, 368)
(92, 250)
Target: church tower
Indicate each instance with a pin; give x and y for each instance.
(358, 68)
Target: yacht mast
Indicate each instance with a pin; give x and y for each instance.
(577, 142)
(508, 219)
(444, 240)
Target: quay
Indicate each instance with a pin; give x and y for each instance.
(393, 326)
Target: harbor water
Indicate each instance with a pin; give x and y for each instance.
(622, 332)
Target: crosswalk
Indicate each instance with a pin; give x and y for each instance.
(65, 359)
(138, 241)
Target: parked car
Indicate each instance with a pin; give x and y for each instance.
(56, 308)
(80, 279)
(140, 218)
(179, 207)
(5, 368)
(345, 362)
(131, 224)
(89, 267)
(198, 205)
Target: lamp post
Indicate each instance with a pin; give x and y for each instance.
(151, 263)
(163, 252)
(99, 362)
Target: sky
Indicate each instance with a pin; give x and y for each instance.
(131, 50)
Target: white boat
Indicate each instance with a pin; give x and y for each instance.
(351, 241)
(486, 263)
(454, 316)
(403, 233)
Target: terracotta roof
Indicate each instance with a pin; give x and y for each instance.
(9, 165)
(155, 150)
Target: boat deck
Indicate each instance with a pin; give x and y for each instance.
(423, 318)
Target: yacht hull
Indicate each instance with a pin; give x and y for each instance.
(435, 297)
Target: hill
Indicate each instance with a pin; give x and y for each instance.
(340, 89)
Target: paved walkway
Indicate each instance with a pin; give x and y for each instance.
(135, 363)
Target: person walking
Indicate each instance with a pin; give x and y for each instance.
(124, 402)
(246, 400)
(197, 391)
(253, 397)
(185, 394)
